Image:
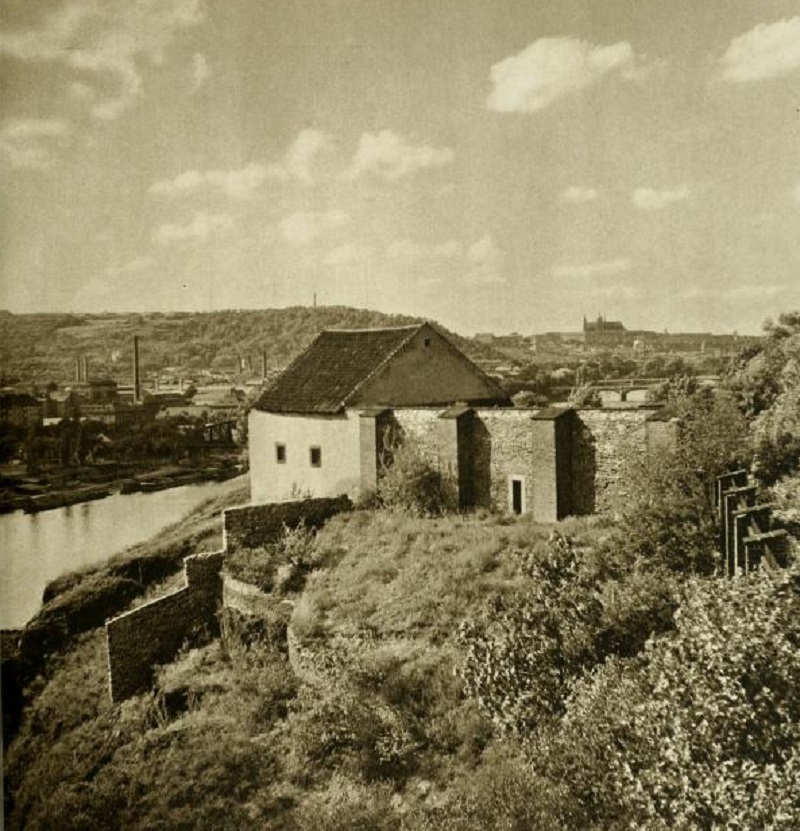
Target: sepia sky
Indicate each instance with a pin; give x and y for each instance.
(493, 164)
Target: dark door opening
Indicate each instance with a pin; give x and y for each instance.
(516, 496)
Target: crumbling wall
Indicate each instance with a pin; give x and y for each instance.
(152, 634)
(253, 526)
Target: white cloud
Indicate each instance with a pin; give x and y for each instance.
(484, 261)
(767, 51)
(201, 71)
(578, 194)
(106, 40)
(651, 199)
(604, 268)
(301, 156)
(238, 184)
(389, 156)
(202, 226)
(551, 68)
(28, 143)
(305, 226)
(348, 254)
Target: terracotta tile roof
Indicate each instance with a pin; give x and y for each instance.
(324, 377)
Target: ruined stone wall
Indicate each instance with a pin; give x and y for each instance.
(153, 633)
(249, 599)
(253, 526)
(608, 436)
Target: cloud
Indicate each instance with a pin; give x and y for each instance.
(348, 254)
(28, 143)
(484, 261)
(304, 227)
(105, 40)
(201, 71)
(202, 226)
(242, 183)
(238, 184)
(767, 51)
(301, 156)
(389, 156)
(549, 69)
(406, 251)
(605, 268)
(650, 199)
(796, 192)
(578, 194)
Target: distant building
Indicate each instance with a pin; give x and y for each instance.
(19, 409)
(102, 391)
(602, 326)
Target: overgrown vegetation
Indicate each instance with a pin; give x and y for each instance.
(411, 484)
(465, 672)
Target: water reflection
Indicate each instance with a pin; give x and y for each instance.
(35, 548)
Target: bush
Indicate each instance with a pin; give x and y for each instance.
(701, 730)
(410, 484)
(279, 566)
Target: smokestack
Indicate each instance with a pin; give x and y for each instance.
(315, 300)
(137, 391)
(86, 368)
(78, 369)
(264, 364)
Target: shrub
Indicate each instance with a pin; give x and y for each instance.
(281, 565)
(348, 806)
(699, 731)
(410, 484)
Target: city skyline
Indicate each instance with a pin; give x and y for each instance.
(493, 166)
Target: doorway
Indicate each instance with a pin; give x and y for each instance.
(516, 494)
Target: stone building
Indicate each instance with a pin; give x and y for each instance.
(323, 428)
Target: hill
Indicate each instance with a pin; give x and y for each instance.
(43, 347)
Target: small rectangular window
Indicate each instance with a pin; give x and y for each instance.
(316, 457)
(280, 454)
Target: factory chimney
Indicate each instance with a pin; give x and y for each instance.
(264, 364)
(137, 390)
(86, 369)
(78, 368)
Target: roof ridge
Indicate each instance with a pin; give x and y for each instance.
(404, 327)
(412, 330)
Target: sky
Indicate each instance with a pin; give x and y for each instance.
(495, 165)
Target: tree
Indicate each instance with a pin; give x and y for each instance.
(667, 517)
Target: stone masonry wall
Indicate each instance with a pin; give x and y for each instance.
(419, 425)
(611, 434)
(152, 634)
(503, 442)
(253, 526)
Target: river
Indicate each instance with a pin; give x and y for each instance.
(36, 548)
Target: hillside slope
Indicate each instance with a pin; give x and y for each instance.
(43, 347)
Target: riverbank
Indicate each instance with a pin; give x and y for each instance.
(82, 599)
(59, 489)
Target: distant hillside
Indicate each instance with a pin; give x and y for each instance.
(43, 347)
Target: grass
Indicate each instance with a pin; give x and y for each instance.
(400, 576)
